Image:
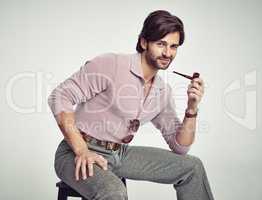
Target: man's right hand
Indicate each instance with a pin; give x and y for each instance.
(84, 161)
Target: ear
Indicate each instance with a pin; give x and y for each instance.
(143, 43)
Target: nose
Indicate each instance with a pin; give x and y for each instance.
(167, 52)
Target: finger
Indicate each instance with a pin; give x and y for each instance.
(195, 85)
(105, 163)
(102, 162)
(198, 80)
(195, 91)
(83, 169)
(194, 95)
(78, 164)
(90, 168)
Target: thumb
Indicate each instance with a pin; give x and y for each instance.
(75, 159)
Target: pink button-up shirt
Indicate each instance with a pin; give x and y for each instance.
(108, 92)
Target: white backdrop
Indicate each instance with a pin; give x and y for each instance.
(44, 42)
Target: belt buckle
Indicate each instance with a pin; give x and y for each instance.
(112, 146)
(106, 144)
(109, 145)
(117, 146)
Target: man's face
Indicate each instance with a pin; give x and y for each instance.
(159, 54)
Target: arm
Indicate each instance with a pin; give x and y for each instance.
(169, 125)
(83, 156)
(186, 133)
(71, 133)
(178, 135)
(92, 78)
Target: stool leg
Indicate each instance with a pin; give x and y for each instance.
(61, 195)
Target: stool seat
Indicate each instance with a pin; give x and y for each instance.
(65, 190)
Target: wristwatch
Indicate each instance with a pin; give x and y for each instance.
(190, 115)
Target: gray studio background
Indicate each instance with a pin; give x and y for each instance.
(44, 42)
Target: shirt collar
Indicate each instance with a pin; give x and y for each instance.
(136, 69)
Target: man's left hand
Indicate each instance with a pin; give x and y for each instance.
(195, 92)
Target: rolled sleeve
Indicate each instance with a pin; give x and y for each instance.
(92, 78)
(169, 124)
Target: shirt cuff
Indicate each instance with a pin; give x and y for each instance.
(180, 149)
(58, 108)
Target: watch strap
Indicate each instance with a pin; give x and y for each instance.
(190, 115)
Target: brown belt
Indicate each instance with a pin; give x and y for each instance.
(106, 144)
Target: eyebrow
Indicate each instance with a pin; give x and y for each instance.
(176, 45)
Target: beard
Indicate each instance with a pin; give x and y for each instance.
(157, 62)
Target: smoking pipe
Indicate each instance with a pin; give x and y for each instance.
(195, 75)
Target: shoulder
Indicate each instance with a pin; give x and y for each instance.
(108, 64)
(111, 59)
(101, 64)
(106, 58)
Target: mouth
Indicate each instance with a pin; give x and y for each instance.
(164, 61)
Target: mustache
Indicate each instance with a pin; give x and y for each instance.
(165, 58)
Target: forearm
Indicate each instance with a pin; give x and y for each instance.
(66, 123)
(186, 133)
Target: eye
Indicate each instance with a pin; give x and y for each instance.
(174, 47)
(160, 44)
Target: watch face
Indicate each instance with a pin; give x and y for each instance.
(128, 139)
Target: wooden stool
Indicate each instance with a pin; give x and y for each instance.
(65, 191)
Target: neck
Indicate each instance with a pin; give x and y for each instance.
(148, 71)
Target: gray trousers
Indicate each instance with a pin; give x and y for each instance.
(185, 172)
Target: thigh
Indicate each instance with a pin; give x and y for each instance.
(103, 185)
(155, 164)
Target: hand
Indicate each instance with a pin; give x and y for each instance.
(86, 159)
(195, 92)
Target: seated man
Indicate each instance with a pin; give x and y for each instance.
(114, 95)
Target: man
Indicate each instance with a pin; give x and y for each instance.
(114, 95)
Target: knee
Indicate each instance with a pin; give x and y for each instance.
(117, 195)
(193, 168)
(196, 164)
(115, 192)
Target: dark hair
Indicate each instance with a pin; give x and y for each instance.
(157, 25)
